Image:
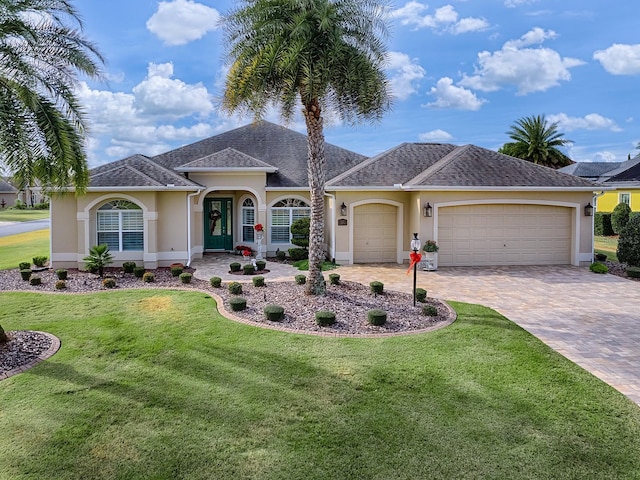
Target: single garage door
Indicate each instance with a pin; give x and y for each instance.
(374, 233)
(476, 235)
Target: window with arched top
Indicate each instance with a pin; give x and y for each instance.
(120, 225)
(283, 214)
(248, 214)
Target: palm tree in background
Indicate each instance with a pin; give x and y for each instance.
(536, 140)
(42, 126)
(321, 53)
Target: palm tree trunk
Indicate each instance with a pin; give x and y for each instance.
(316, 171)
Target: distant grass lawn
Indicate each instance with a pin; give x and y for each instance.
(304, 265)
(608, 246)
(15, 215)
(22, 248)
(157, 385)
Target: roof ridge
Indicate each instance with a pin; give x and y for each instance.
(363, 164)
(440, 164)
(170, 172)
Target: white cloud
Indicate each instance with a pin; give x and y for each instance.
(435, 136)
(528, 69)
(604, 157)
(592, 121)
(181, 21)
(404, 74)
(620, 59)
(449, 96)
(444, 19)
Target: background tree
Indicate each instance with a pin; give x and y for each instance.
(41, 123)
(536, 140)
(620, 217)
(322, 53)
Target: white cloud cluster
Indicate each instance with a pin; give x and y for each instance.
(182, 21)
(404, 74)
(437, 135)
(620, 59)
(444, 19)
(450, 96)
(592, 121)
(528, 69)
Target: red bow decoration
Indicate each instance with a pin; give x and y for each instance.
(415, 258)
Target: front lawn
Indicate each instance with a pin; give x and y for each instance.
(16, 215)
(23, 247)
(607, 246)
(156, 384)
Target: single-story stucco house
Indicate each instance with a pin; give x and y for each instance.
(481, 207)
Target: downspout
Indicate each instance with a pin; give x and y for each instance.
(333, 226)
(593, 225)
(189, 196)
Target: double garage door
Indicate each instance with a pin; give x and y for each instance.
(478, 235)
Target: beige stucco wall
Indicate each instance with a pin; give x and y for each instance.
(64, 231)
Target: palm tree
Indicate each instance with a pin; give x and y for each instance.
(42, 125)
(536, 140)
(322, 53)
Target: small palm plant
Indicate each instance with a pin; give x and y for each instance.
(98, 258)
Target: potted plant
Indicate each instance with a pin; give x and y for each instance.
(430, 249)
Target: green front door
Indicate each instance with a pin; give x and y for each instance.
(218, 229)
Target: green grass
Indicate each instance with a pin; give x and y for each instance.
(14, 215)
(607, 246)
(23, 247)
(304, 265)
(157, 385)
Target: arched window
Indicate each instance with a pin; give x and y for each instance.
(121, 226)
(248, 212)
(283, 214)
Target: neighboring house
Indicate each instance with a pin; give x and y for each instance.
(8, 194)
(624, 177)
(482, 207)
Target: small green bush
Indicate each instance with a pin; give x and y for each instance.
(248, 269)
(238, 304)
(258, 281)
(281, 255)
(274, 313)
(24, 266)
(35, 280)
(629, 243)
(39, 261)
(334, 278)
(61, 273)
(215, 282)
(421, 295)
(633, 272)
(109, 282)
(324, 318)
(235, 288)
(429, 311)
(298, 254)
(176, 271)
(25, 274)
(301, 279)
(235, 267)
(128, 267)
(185, 277)
(261, 264)
(376, 287)
(3, 336)
(148, 277)
(138, 272)
(61, 285)
(377, 317)
(597, 267)
(620, 217)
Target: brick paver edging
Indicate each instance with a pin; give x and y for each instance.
(53, 348)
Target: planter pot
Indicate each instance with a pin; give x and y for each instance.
(430, 261)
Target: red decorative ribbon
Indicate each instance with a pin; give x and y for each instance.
(415, 258)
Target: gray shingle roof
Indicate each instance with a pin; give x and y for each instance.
(225, 159)
(136, 171)
(6, 187)
(591, 170)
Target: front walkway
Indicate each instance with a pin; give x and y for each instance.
(591, 319)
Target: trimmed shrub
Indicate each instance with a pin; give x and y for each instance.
(215, 282)
(597, 267)
(300, 232)
(61, 285)
(109, 282)
(376, 287)
(248, 269)
(602, 224)
(35, 280)
(620, 217)
(377, 317)
(421, 295)
(298, 254)
(629, 243)
(24, 266)
(324, 318)
(148, 277)
(25, 274)
(281, 254)
(334, 278)
(258, 281)
(273, 313)
(3, 336)
(138, 272)
(238, 304)
(235, 288)
(300, 279)
(261, 264)
(39, 261)
(61, 273)
(429, 311)
(185, 277)
(128, 267)
(176, 271)
(235, 267)
(633, 272)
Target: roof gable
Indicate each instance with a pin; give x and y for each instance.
(227, 159)
(136, 171)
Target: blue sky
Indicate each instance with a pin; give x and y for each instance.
(461, 71)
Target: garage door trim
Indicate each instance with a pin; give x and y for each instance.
(399, 224)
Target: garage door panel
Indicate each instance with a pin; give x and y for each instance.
(374, 233)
